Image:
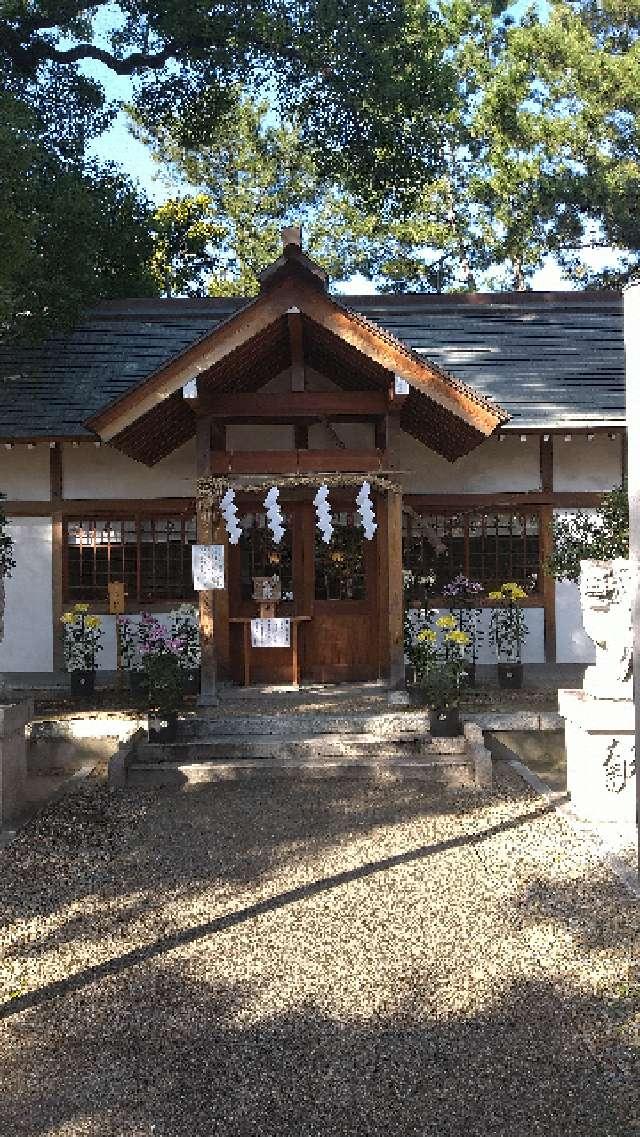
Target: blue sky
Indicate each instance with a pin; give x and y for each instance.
(119, 145)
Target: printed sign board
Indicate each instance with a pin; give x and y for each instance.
(271, 633)
(207, 563)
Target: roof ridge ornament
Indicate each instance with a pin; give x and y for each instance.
(293, 261)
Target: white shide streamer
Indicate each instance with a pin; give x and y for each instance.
(323, 514)
(275, 518)
(365, 509)
(229, 512)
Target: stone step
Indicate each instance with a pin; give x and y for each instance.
(394, 724)
(300, 747)
(442, 773)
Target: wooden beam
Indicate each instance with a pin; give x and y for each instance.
(298, 461)
(301, 436)
(56, 489)
(547, 582)
(459, 502)
(548, 585)
(546, 463)
(296, 341)
(295, 404)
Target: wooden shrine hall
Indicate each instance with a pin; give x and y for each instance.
(294, 390)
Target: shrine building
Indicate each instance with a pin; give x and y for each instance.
(473, 417)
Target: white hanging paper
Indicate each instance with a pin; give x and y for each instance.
(275, 520)
(323, 514)
(275, 632)
(207, 565)
(365, 509)
(229, 511)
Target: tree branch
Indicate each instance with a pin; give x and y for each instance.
(137, 61)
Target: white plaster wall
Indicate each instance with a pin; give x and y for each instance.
(533, 648)
(573, 645)
(492, 466)
(28, 636)
(587, 466)
(101, 472)
(107, 658)
(24, 474)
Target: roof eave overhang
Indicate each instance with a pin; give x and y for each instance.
(480, 415)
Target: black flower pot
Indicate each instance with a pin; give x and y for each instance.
(469, 678)
(137, 683)
(162, 727)
(510, 676)
(417, 696)
(82, 682)
(444, 722)
(191, 682)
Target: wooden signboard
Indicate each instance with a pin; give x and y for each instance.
(116, 598)
(267, 588)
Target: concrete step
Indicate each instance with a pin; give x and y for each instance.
(384, 724)
(449, 773)
(299, 747)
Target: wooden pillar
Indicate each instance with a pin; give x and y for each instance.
(632, 354)
(390, 590)
(548, 583)
(56, 485)
(204, 531)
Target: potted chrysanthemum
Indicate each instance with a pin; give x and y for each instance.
(439, 660)
(82, 635)
(185, 627)
(161, 654)
(509, 631)
(462, 595)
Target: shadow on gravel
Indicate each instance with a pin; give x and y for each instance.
(144, 845)
(271, 904)
(172, 1060)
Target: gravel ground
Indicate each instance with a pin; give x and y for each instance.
(341, 958)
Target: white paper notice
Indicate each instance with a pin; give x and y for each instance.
(271, 633)
(207, 563)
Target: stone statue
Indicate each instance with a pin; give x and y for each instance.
(606, 595)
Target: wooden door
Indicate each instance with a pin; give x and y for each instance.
(336, 586)
(340, 644)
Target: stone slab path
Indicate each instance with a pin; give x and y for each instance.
(339, 959)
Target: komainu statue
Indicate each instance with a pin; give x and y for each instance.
(607, 597)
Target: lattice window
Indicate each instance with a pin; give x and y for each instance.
(490, 546)
(150, 555)
(260, 556)
(340, 569)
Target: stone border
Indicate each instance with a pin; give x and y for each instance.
(118, 767)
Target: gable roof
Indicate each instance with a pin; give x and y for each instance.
(551, 359)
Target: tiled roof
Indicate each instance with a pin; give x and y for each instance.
(548, 358)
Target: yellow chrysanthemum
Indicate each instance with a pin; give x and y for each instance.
(67, 618)
(93, 622)
(81, 607)
(495, 596)
(427, 635)
(513, 590)
(458, 637)
(447, 622)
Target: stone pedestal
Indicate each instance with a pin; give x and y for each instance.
(13, 758)
(600, 744)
